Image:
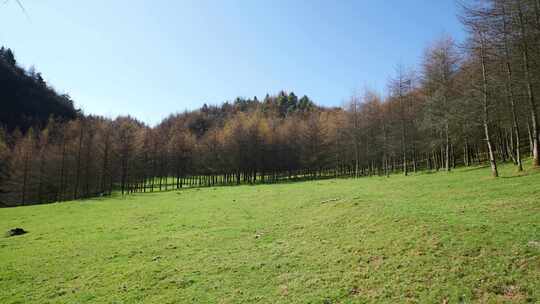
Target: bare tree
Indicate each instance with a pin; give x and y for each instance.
(441, 64)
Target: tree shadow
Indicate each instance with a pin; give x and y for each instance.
(514, 176)
(475, 168)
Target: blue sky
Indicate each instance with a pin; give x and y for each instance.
(150, 58)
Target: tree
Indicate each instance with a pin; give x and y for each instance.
(4, 163)
(440, 66)
(474, 21)
(8, 56)
(503, 28)
(524, 38)
(400, 88)
(353, 108)
(21, 166)
(125, 138)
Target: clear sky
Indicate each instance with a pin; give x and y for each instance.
(149, 58)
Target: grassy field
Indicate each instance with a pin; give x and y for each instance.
(428, 238)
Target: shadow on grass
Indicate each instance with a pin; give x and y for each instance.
(526, 172)
(514, 176)
(475, 168)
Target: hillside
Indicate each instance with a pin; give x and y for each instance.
(429, 238)
(27, 100)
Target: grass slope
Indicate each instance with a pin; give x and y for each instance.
(430, 238)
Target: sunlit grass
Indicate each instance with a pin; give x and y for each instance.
(429, 238)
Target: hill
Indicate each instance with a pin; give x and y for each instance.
(27, 100)
(429, 238)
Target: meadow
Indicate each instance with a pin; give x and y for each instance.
(456, 237)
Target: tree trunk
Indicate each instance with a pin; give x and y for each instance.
(26, 168)
(78, 168)
(447, 148)
(530, 90)
(530, 139)
(60, 192)
(515, 125)
(493, 162)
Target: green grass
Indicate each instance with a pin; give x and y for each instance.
(428, 238)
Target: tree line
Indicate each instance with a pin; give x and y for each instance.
(467, 104)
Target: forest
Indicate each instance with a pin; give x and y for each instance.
(28, 101)
(467, 103)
